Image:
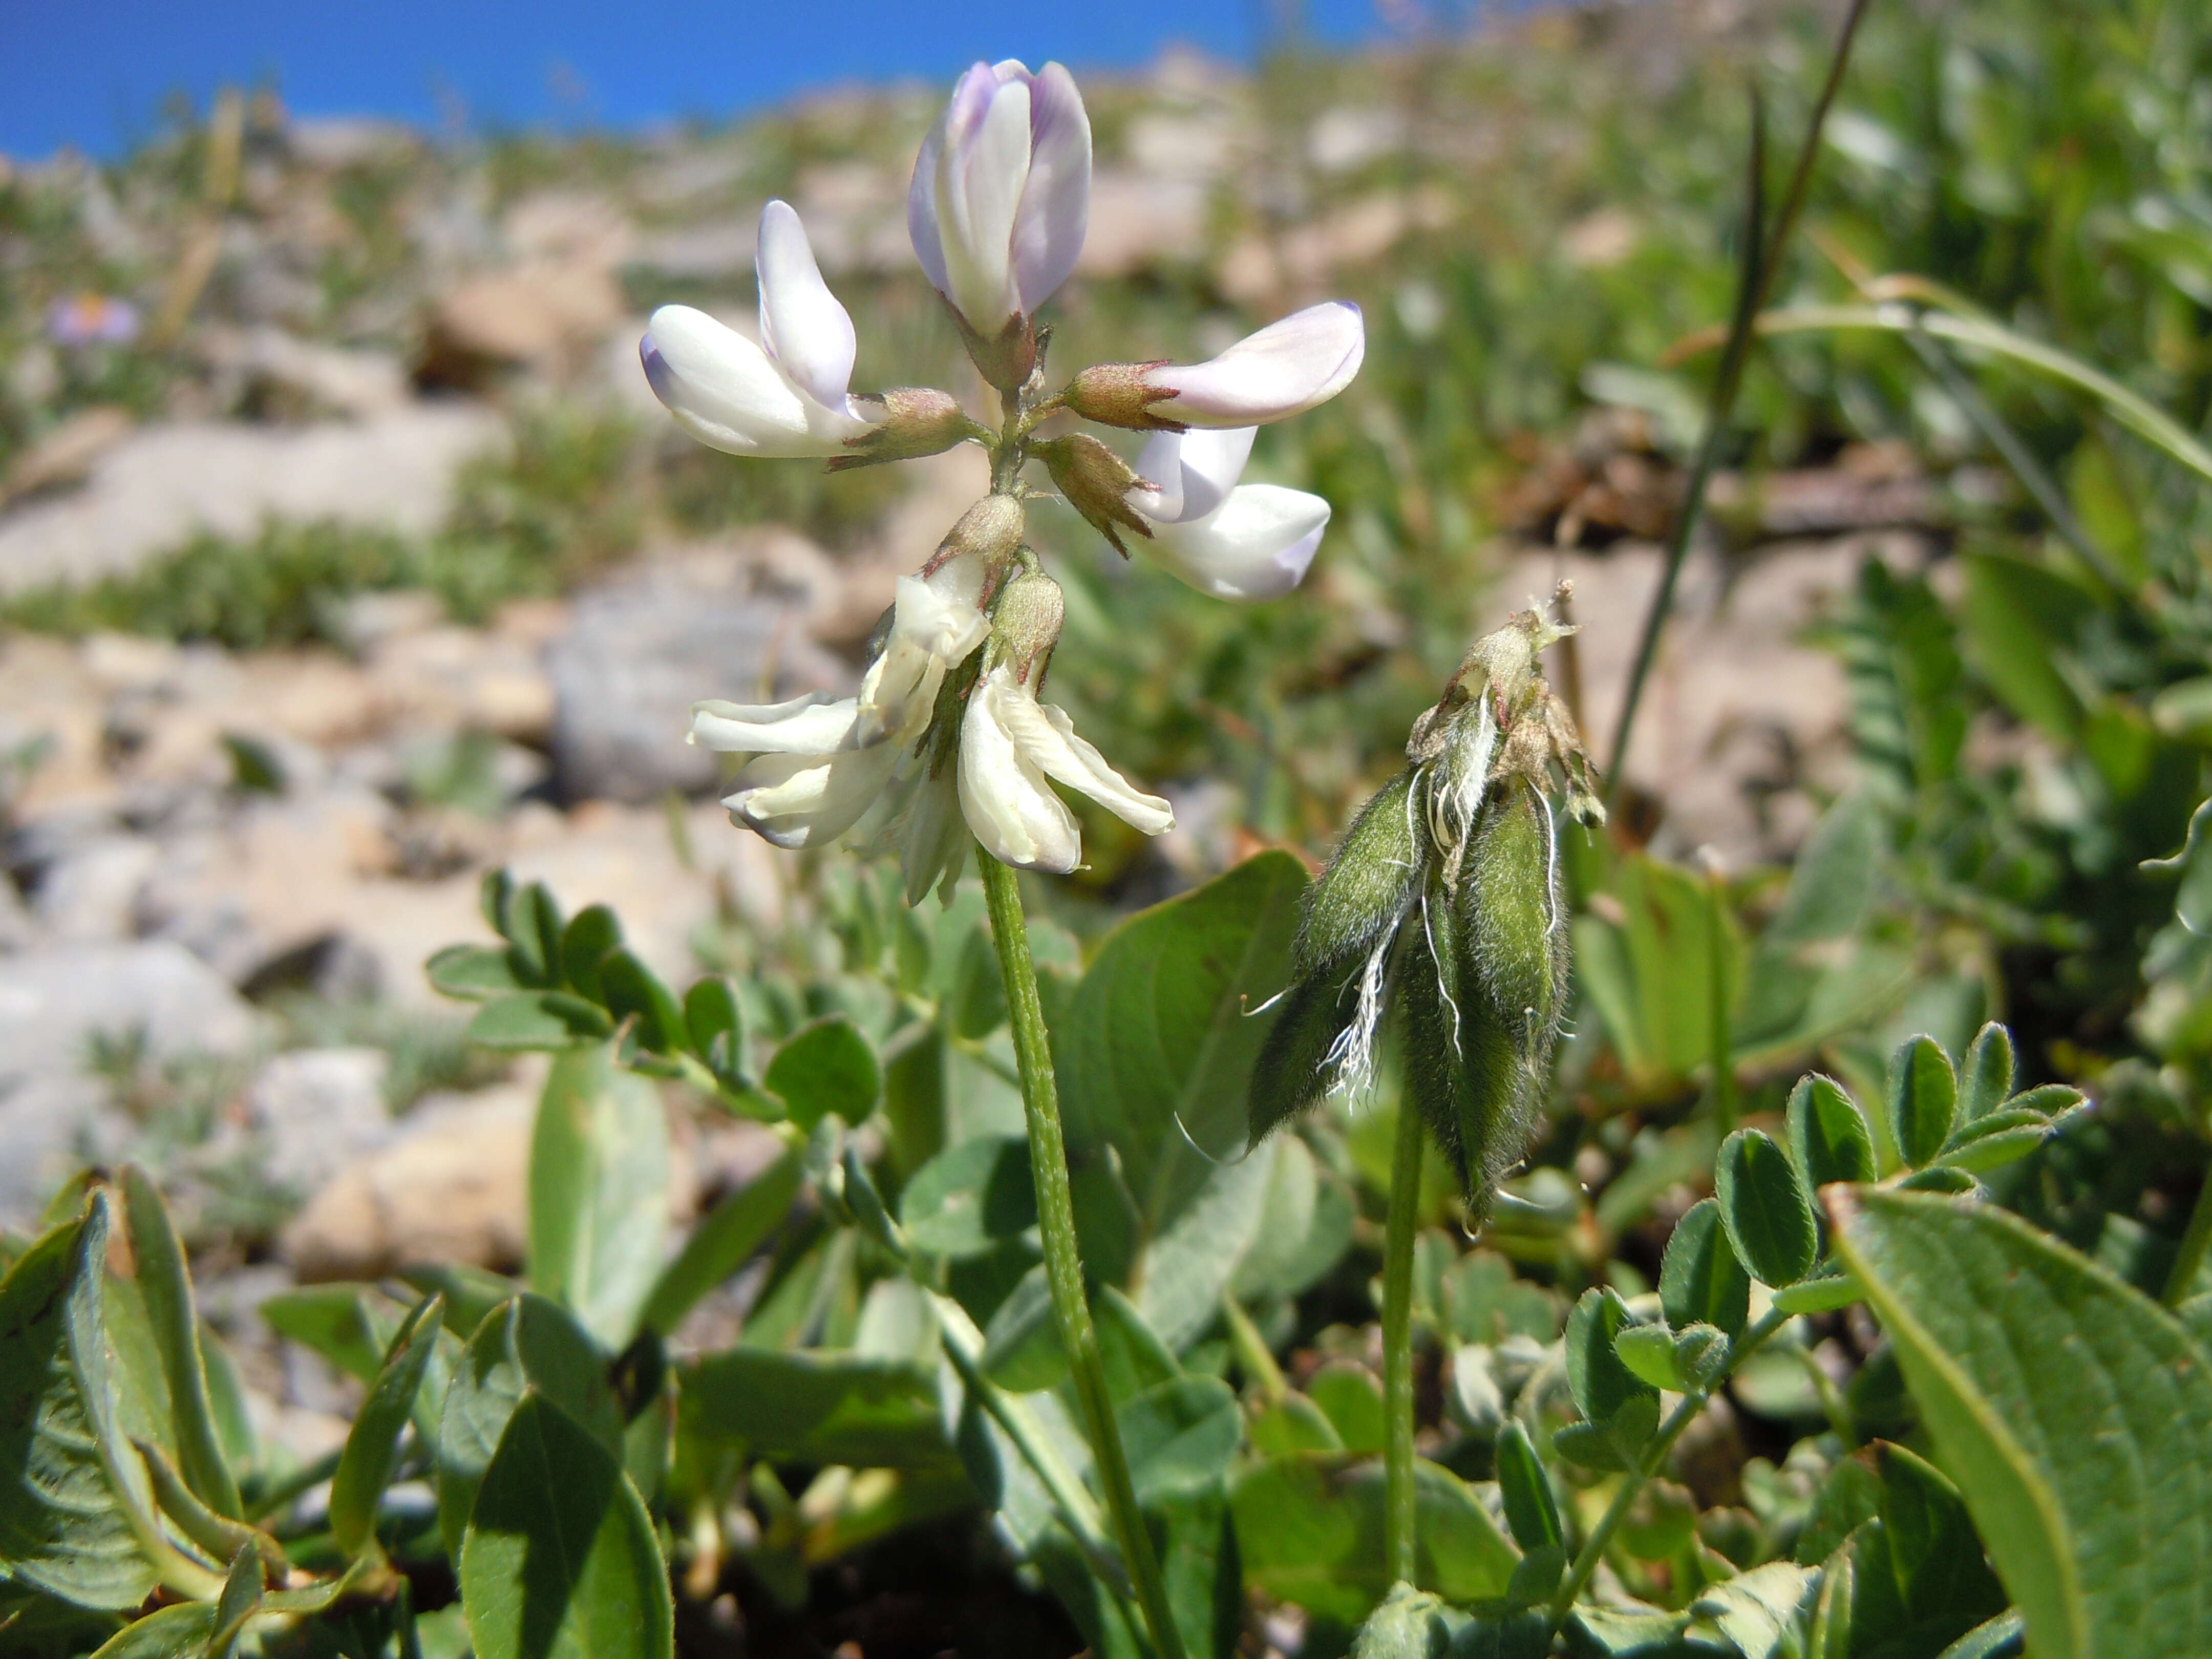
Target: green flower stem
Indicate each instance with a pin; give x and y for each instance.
(1400, 1544)
(2190, 1256)
(1063, 1261)
(1654, 1456)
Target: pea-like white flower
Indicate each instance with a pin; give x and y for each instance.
(1009, 744)
(1283, 370)
(1234, 541)
(1001, 192)
(822, 762)
(788, 397)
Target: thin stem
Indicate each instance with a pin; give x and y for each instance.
(1763, 259)
(1063, 1262)
(2194, 1242)
(1261, 1371)
(1079, 1513)
(1720, 1042)
(1654, 1456)
(1401, 1545)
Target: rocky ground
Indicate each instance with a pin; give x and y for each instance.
(224, 868)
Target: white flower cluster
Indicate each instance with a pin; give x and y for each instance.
(947, 736)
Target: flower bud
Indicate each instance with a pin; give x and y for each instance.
(988, 534)
(1118, 394)
(915, 422)
(1001, 193)
(1096, 482)
(1027, 618)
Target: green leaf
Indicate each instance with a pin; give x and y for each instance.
(1600, 1382)
(1531, 1511)
(239, 1601)
(349, 1325)
(632, 991)
(1949, 1180)
(470, 1293)
(472, 972)
(1765, 1209)
(1999, 1138)
(583, 944)
(1986, 1083)
(69, 1524)
(560, 1560)
(970, 1198)
(717, 1029)
(1179, 1437)
(1755, 1609)
(1189, 1267)
(598, 1191)
(173, 1633)
(530, 918)
(527, 1343)
(1828, 1134)
(2072, 1411)
(1350, 1397)
(220, 1536)
(1134, 1356)
(825, 1067)
(1310, 1531)
(1293, 1423)
(1820, 1294)
(166, 1288)
(1943, 1579)
(1923, 1100)
(1158, 1042)
(1996, 1638)
(538, 1020)
(817, 1407)
(1022, 1350)
(1700, 1280)
(1649, 1352)
(722, 1241)
(372, 1449)
(2018, 623)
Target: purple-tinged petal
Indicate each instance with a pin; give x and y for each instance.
(922, 226)
(1283, 370)
(1056, 201)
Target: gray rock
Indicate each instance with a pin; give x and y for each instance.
(53, 1002)
(314, 1111)
(91, 892)
(642, 650)
(154, 490)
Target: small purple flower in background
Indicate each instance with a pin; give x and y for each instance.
(89, 319)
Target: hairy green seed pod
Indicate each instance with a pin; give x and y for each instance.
(1368, 885)
(1324, 1024)
(1483, 983)
(1409, 1624)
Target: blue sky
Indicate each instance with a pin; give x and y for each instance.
(93, 74)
